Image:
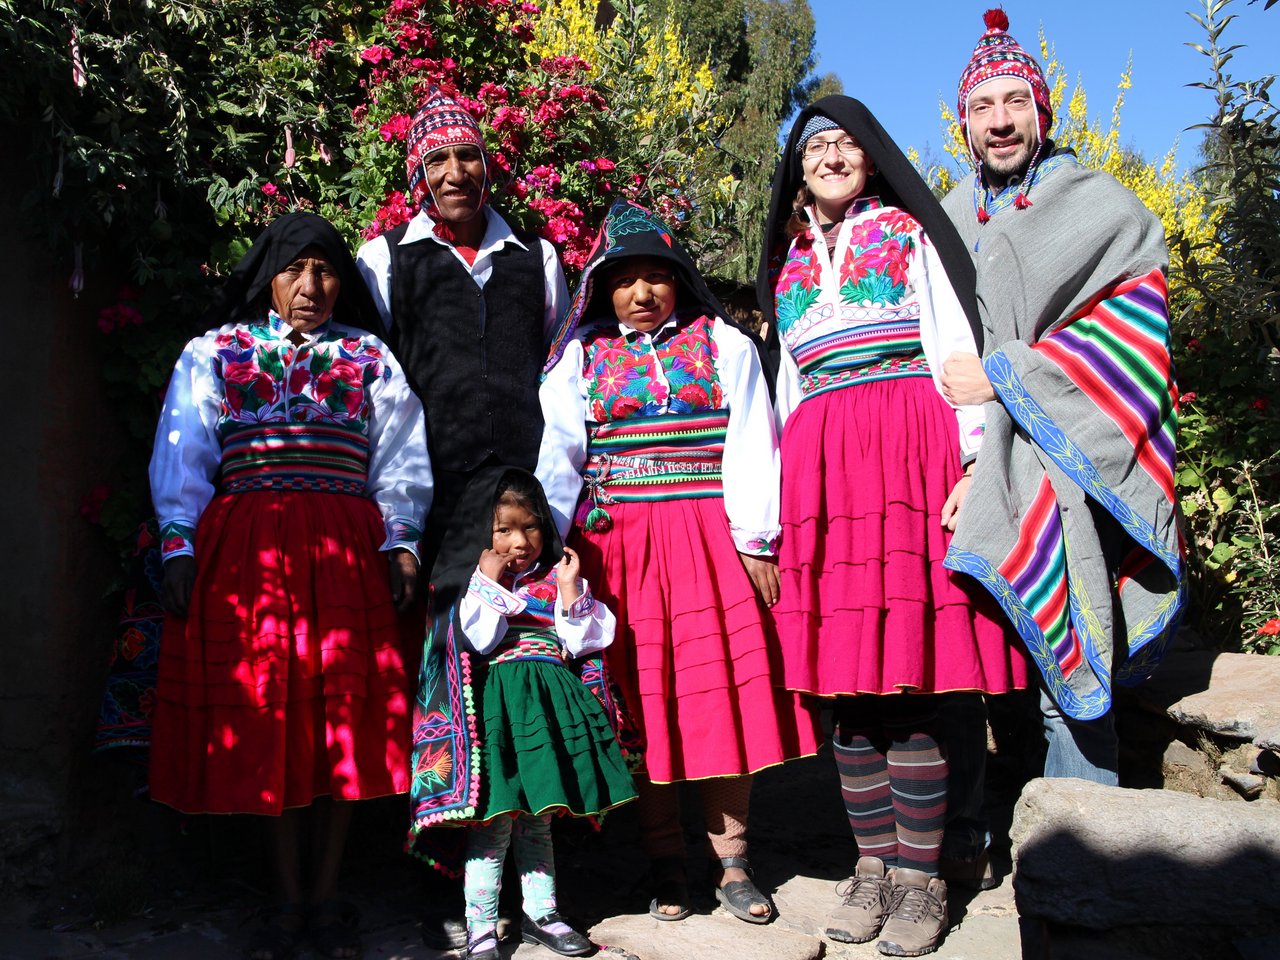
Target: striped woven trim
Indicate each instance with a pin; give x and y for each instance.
(896, 369)
(530, 646)
(860, 346)
(295, 456)
(676, 457)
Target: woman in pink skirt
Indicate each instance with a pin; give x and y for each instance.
(868, 288)
(660, 443)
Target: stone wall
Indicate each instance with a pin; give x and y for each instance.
(60, 441)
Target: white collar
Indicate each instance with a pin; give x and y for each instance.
(497, 231)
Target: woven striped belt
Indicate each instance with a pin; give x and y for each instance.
(530, 646)
(295, 456)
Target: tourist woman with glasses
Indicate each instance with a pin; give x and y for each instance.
(866, 288)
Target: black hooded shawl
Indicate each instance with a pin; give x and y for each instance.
(895, 181)
(245, 296)
(630, 230)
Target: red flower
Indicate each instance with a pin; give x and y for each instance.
(693, 394)
(1188, 397)
(1194, 345)
(1271, 628)
(397, 128)
(1260, 404)
(624, 407)
(605, 165)
(376, 54)
(270, 189)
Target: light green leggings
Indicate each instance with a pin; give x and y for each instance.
(487, 849)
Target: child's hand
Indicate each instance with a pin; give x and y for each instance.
(763, 572)
(567, 579)
(493, 564)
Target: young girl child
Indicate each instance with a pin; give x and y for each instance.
(657, 405)
(506, 732)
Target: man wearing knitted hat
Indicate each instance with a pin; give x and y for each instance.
(1071, 520)
(469, 304)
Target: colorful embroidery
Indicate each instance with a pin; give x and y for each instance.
(494, 595)
(631, 376)
(177, 539)
(267, 378)
(863, 322)
(402, 532)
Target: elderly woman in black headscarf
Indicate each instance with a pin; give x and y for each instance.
(290, 454)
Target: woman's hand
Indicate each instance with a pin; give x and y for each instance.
(567, 579)
(950, 515)
(404, 578)
(964, 381)
(179, 580)
(763, 572)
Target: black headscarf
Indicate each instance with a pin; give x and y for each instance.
(241, 298)
(471, 532)
(630, 230)
(895, 182)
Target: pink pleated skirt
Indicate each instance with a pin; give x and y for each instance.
(694, 653)
(866, 604)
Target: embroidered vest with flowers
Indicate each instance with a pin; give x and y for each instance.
(852, 316)
(660, 418)
(295, 417)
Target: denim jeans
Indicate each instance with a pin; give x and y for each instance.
(1086, 749)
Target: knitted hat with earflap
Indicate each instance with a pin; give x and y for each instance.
(440, 122)
(998, 55)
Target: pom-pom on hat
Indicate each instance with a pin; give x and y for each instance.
(440, 122)
(999, 55)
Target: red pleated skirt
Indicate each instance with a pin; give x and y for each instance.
(693, 653)
(866, 605)
(286, 681)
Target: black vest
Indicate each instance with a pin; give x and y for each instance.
(473, 357)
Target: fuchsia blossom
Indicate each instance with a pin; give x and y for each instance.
(505, 117)
(270, 189)
(318, 48)
(118, 316)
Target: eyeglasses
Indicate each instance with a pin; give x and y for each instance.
(816, 148)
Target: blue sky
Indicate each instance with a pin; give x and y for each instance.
(899, 57)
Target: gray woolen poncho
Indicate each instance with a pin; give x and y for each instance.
(1071, 521)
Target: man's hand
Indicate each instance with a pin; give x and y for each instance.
(567, 579)
(964, 381)
(179, 580)
(763, 572)
(404, 578)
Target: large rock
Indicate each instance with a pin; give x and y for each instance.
(1105, 857)
(1228, 694)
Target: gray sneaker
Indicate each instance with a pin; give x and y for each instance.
(864, 903)
(917, 914)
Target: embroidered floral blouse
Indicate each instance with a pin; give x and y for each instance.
(490, 608)
(685, 366)
(242, 376)
(878, 306)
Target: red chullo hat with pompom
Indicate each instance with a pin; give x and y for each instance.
(999, 55)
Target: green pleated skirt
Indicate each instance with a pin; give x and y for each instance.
(546, 744)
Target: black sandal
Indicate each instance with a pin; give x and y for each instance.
(670, 888)
(739, 896)
(277, 936)
(335, 927)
